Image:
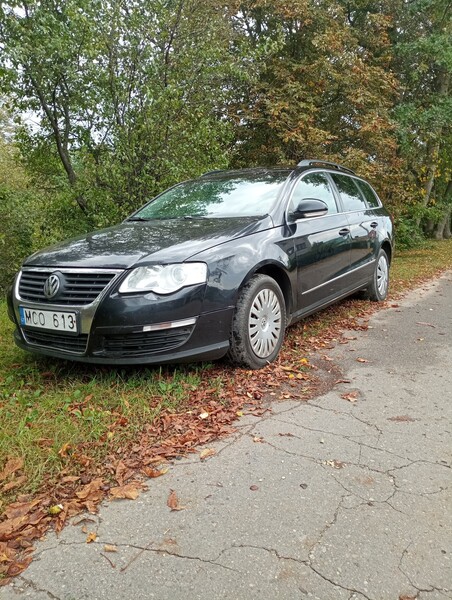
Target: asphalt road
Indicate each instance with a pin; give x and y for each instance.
(338, 499)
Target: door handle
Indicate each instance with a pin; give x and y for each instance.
(344, 231)
(374, 224)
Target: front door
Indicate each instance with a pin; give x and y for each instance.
(322, 244)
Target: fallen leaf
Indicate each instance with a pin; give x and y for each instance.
(91, 491)
(16, 482)
(254, 488)
(16, 568)
(206, 453)
(64, 450)
(362, 360)
(342, 381)
(91, 537)
(204, 415)
(173, 501)
(152, 473)
(70, 479)
(12, 465)
(47, 374)
(110, 548)
(258, 439)
(336, 464)
(426, 324)
(129, 491)
(351, 396)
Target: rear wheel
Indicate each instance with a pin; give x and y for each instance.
(259, 323)
(378, 287)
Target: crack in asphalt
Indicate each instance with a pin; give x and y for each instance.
(34, 587)
(428, 590)
(306, 563)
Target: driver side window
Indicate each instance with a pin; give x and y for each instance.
(313, 185)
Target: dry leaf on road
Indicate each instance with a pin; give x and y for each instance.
(351, 396)
(206, 453)
(173, 501)
(129, 491)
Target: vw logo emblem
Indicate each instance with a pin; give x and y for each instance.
(51, 286)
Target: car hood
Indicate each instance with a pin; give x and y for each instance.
(132, 243)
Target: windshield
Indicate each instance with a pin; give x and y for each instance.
(236, 197)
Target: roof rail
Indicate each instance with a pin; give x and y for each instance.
(213, 172)
(314, 162)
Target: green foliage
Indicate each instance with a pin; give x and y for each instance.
(129, 98)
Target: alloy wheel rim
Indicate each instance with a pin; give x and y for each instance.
(382, 276)
(264, 323)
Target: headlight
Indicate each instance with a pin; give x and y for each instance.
(164, 279)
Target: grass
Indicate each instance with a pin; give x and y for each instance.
(50, 408)
(62, 416)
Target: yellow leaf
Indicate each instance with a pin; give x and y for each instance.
(110, 548)
(91, 537)
(206, 453)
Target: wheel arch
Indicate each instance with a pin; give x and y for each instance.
(282, 279)
(386, 246)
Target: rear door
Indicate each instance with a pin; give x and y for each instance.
(363, 224)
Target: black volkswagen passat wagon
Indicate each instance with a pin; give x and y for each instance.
(213, 266)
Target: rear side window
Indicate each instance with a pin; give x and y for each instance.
(351, 196)
(369, 194)
(314, 185)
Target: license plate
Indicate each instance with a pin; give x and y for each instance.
(53, 320)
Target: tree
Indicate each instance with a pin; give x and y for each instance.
(129, 94)
(326, 90)
(423, 46)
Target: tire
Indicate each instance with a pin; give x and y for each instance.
(377, 290)
(259, 323)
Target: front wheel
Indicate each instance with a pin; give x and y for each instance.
(258, 324)
(378, 287)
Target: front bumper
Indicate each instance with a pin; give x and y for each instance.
(208, 341)
(134, 329)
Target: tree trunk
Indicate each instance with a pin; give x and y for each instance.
(61, 143)
(434, 143)
(442, 231)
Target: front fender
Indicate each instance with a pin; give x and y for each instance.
(232, 264)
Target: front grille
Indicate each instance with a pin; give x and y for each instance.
(144, 343)
(77, 288)
(58, 341)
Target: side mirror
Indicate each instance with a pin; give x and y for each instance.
(309, 207)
